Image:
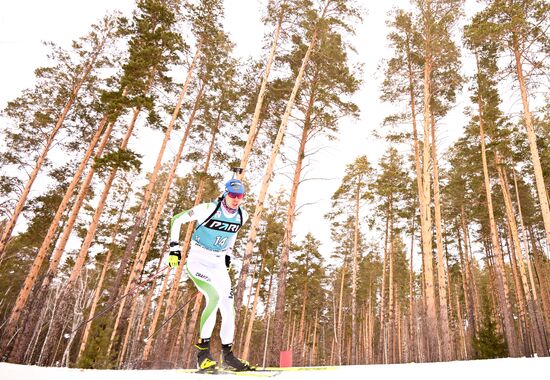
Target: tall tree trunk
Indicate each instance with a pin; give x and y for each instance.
(441, 268)
(502, 286)
(269, 169)
(300, 341)
(532, 139)
(84, 187)
(423, 184)
(510, 214)
(412, 338)
(383, 322)
(391, 289)
(525, 335)
(339, 329)
(534, 296)
(425, 215)
(354, 341)
(467, 297)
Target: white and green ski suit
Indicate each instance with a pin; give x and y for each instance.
(214, 236)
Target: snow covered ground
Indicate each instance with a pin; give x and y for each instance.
(498, 369)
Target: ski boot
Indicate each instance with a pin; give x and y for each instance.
(205, 362)
(231, 362)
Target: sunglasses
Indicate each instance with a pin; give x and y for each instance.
(235, 195)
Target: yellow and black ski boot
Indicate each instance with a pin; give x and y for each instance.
(205, 362)
(232, 363)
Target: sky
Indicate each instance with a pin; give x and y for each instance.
(501, 369)
(25, 23)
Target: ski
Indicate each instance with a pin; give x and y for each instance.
(251, 373)
(225, 371)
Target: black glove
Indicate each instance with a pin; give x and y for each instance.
(228, 262)
(174, 257)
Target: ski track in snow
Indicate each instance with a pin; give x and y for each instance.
(501, 369)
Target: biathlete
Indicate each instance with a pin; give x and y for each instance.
(208, 265)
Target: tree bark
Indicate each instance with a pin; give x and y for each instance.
(441, 268)
(423, 184)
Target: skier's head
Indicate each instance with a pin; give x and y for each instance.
(234, 193)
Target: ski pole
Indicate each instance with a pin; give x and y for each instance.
(171, 316)
(130, 292)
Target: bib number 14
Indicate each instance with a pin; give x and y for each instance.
(220, 241)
